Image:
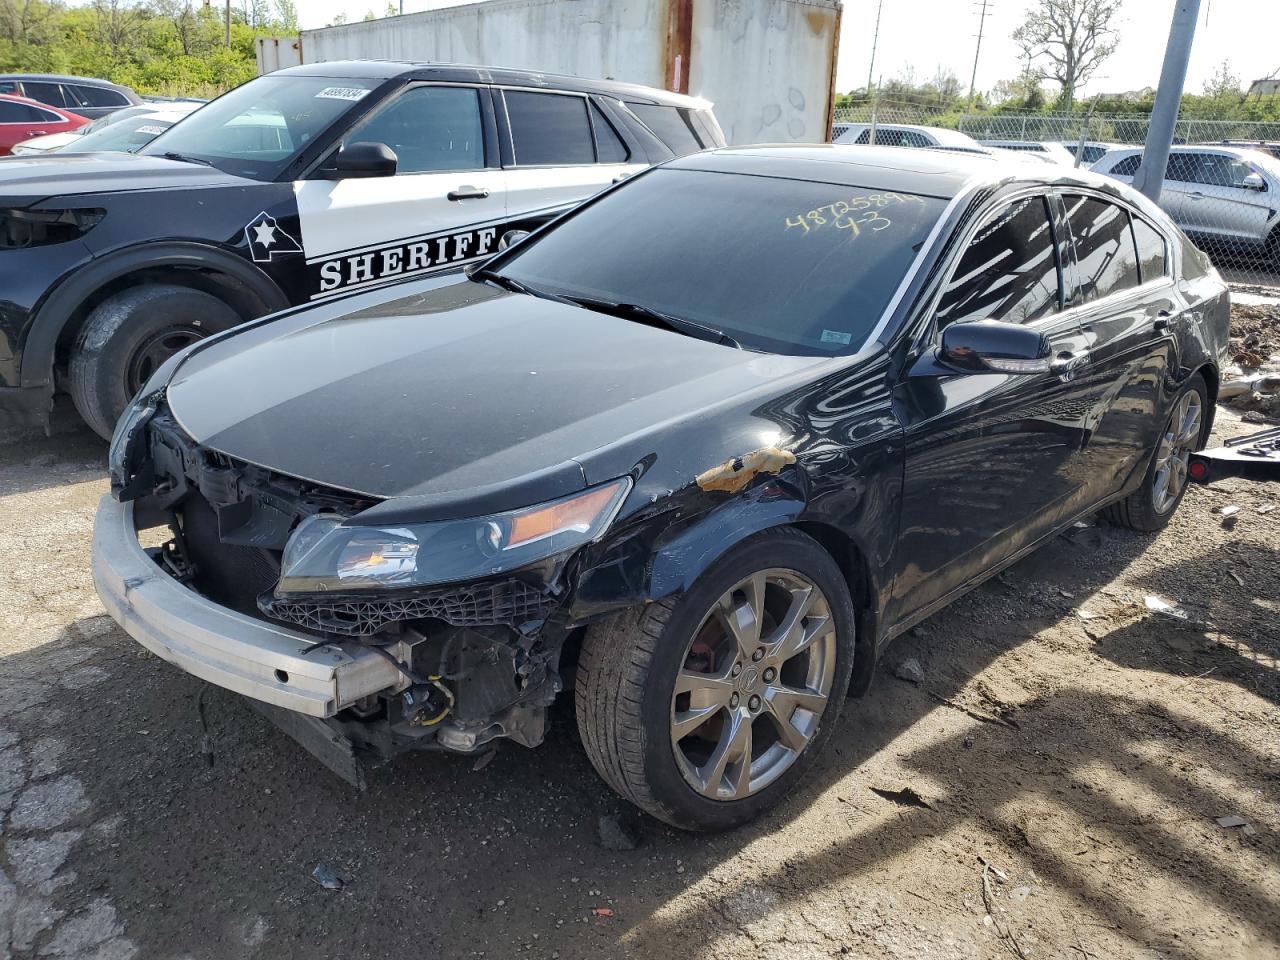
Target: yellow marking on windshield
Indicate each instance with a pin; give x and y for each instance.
(853, 214)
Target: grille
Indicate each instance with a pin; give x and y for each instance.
(507, 602)
(228, 574)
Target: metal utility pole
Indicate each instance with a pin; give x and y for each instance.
(1164, 116)
(982, 23)
(228, 23)
(875, 41)
(875, 110)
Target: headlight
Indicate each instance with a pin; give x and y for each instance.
(324, 554)
(124, 454)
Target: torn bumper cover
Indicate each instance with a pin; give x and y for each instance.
(269, 663)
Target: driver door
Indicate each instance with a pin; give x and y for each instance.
(443, 207)
(991, 458)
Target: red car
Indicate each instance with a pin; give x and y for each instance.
(21, 119)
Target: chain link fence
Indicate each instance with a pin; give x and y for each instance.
(1222, 184)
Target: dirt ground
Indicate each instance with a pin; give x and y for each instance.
(1071, 750)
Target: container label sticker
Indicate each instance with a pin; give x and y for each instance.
(837, 336)
(341, 93)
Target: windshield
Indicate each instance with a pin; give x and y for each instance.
(257, 129)
(124, 137)
(785, 266)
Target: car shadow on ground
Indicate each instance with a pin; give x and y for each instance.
(33, 462)
(201, 824)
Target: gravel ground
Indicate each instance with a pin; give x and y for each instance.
(1067, 756)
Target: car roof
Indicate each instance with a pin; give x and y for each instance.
(472, 73)
(936, 173)
(941, 134)
(63, 78)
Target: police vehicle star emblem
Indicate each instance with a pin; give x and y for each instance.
(268, 239)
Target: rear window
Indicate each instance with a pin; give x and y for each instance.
(1128, 166)
(670, 125)
(12, 112)
(785, 266)
(549, 129)
(97, 96)
(609, 146)
(1151, 250)
(1106, 259)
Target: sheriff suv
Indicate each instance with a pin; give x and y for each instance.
(299, 186)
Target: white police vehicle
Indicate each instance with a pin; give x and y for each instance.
(301, 185)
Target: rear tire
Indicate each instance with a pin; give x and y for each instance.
(1151, 506)
(127, 336)
(764, 700)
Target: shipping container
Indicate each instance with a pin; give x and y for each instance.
(767, 65)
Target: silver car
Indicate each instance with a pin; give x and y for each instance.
(1226, 198)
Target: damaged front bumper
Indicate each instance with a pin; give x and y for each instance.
(271, 664)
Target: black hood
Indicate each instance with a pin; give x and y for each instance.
(463, 394)
(28, 180)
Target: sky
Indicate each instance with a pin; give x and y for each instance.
(1243, 32)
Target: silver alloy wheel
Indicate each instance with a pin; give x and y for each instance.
(1179, 440)
(753, 684)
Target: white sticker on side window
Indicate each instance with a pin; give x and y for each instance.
(341, 93)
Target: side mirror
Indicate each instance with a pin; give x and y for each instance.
(993, 346)
(364, 159)
(1254, 181)
(511, 237)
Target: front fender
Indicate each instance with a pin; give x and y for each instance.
(665, 551)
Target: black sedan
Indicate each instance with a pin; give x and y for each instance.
(697, 451)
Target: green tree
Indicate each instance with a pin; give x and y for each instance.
(1066, 41)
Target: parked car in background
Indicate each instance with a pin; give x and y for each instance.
(1092, 152)
(69, 140)
(132, 134)
(307, 183)
(84, 95)
(1044, 148)
(1225, 198)
(21, 119)
(1271, 147)
(905, 135)
(653, 455)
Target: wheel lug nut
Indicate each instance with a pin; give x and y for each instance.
(733, 701)
(754, 704)
(758, 655)
(737, 669)
(769, 674)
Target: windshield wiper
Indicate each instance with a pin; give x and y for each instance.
(183, 158)
(656, 318)
(511, 283)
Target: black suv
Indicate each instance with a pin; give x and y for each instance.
(305, 184)
(83, 95)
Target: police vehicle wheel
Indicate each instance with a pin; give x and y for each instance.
(1151, 506)
(128, 336)
(707, 709)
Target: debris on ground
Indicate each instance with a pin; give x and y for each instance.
(483, 761)
(910, 671)
(1166, 609)
(1232, 822)
(618, 831)
(327, 878)
(906, 797)
(602, 911)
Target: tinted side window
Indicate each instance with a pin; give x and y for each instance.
(8, 86)
(49, 93)
(1106, 259)
(1009, 270)
(97, 96)
(549, 128)
(11, 112)
(1127, 167)
(1183, 167)
(430, 128)
(1151, 250)
(669, 125)
(609, 146)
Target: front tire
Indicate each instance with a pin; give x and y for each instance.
(1151, 506)
(707, 709)
(127, 336)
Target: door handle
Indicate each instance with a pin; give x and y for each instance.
(466, 192)
(1197, 195)
(1161, 322)
(36, 133)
